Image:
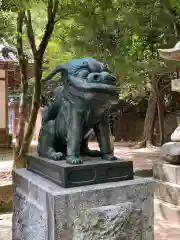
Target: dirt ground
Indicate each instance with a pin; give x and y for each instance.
(6, 226)
(142, 158)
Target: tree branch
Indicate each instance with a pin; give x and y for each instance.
(30, 32)
(165, 87)
(24, 85)
(38, 57)
(57, 19)
(21, 55)
(52, 10)
(55, 8)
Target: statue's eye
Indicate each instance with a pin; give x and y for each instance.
(106, 68)
(97, 78)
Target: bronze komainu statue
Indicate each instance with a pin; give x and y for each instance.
(80, 106)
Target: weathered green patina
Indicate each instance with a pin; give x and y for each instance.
(80, 106)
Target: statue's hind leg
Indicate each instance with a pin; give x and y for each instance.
(88, 152)
(46, 142)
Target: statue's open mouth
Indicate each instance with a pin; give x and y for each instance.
(99, 91)
(85, 86)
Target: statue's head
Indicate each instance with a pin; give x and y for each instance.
(94, 71)
(92, 79)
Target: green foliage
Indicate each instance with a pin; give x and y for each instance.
(7, 25)
(126, 34)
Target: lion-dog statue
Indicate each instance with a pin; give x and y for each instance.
(80, 106)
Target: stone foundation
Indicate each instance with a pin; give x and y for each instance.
(114, 222)
(44, 211)
(167, 191)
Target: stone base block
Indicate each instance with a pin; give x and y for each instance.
(166, 172)
(167, 211)
(114, 222)
(167, 192)
(43, 210)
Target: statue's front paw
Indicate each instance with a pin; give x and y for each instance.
(57, 156)
(109, 157)
(74, 160)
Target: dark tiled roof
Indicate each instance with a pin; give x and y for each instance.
(7, 52)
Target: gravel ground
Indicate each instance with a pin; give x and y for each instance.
(142, 158)
(6, 226)
(164, 230)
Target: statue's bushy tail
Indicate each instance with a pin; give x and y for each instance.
(53, 73)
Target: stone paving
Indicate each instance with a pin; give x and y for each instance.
(6, 226)
(166, 231)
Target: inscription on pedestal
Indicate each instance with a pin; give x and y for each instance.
(93, 171)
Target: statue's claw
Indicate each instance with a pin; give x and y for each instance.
(57, 156)
(109, 157)
(74, 160)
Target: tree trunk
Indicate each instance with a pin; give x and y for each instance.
(24, 137)
(24, 85)
(34, 110)
(149, 123)
(160, 108)
(17, 163)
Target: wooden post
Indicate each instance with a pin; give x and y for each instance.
(4, 133)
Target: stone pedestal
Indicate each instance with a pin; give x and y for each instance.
(43, 210)
(170, 151)
(92, 171)
(167, 191)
